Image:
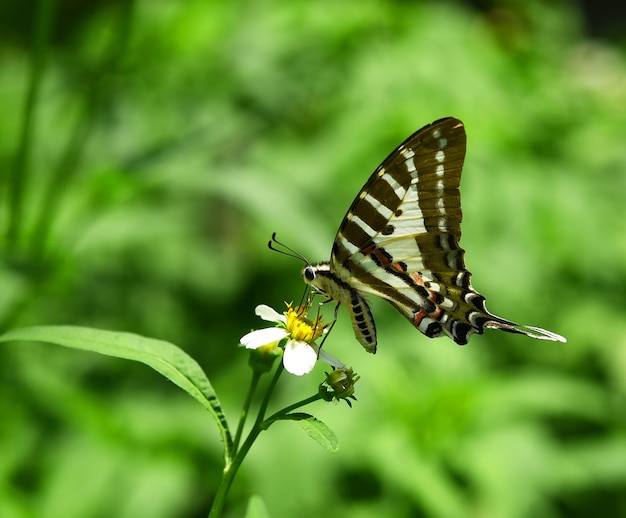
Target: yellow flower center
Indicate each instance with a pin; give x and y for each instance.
(300, 327)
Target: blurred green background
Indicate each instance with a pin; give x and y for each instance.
(149, 149)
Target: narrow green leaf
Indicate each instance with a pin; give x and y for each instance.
(316, 430)
(164, 357)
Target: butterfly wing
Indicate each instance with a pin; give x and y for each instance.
(400, 238)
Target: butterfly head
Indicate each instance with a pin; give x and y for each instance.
(308, 274)
(317, 276)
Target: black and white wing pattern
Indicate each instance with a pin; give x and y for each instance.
(400, 240)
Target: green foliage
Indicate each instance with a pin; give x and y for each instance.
(315, 429)
(165, 141)
(163, 357)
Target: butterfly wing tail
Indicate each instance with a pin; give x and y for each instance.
(530, 331)
(461, 324)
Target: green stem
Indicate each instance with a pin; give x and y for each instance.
(254, 383)
(230, 470)
(275, 417)
(268, 394)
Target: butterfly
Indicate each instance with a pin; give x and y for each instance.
(399, 241)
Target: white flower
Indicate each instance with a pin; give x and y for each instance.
(300, 351)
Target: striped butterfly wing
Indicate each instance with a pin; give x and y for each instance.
(400, 239)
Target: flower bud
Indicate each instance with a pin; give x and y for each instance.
(262, 358)
(339, 384)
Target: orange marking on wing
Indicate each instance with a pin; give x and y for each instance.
(368, 249)
(384, 260)
(418, 279)
(417, 319)
(397, 267)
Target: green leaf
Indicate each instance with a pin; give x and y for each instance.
(256, 508)
(164, 357)
(316, 430)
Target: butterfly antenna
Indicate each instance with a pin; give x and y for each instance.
(286, 250)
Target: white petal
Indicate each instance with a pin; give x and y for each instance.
(269, 314)
(299, 357)
(263, 337)
(330, 359)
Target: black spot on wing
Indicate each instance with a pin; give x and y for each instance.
(433, 329)
(388, 230)
(428, 306)
(461, 331)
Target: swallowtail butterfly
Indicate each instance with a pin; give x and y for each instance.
(400, 239)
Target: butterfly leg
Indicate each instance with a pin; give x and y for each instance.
(332, 324)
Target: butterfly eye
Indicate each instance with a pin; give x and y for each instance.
(309, 273)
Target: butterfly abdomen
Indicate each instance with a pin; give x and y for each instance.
(328, 284)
